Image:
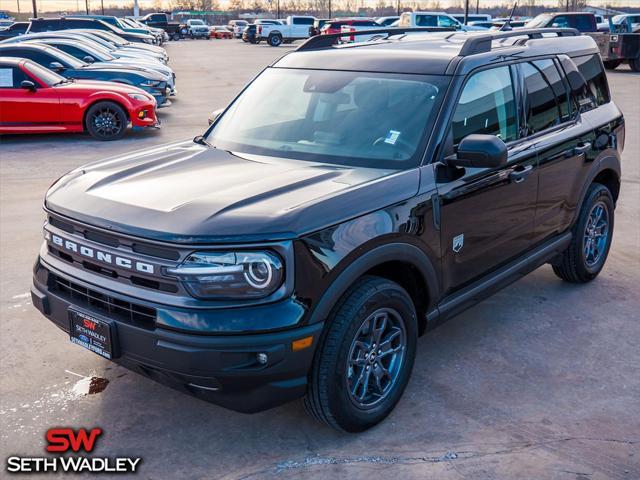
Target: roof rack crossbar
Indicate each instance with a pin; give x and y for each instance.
(328, 40)
(482, 43)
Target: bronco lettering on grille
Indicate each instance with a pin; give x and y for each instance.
(99, 255)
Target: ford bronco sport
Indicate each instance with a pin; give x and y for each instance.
(349, 199)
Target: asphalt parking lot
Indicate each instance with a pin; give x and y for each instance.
(539, 381)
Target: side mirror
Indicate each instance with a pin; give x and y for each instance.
(28, 85)
(89, 59)
(480, 151)
(56, 66)
(214, 115)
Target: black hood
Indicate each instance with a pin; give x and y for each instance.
(189, 193)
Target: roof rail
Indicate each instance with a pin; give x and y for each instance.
(327, 40)
(481, 43)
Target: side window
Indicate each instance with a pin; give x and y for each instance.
(591, 69)
(11, 77)
(487, 105)
(426, 21)
(444, 21)
(546, 94)
(560, 22)
(583, 23)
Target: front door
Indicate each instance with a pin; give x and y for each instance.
(487, 215)
(20, 107)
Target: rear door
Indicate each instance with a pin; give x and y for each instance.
(487, 214)
(22, 108)
(563, 140)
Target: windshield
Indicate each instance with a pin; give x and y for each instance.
(44, 74)
(66, 59)
(540, 21)
(347, 118)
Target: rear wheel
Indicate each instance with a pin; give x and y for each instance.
(106, 121)
(583, 260)
(612, 64)
(365, 358)
(275, 40)
(635, 64)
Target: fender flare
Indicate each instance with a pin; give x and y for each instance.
(275, 32)
(403, 252)
(610, 162)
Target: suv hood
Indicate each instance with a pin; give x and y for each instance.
(189, 193)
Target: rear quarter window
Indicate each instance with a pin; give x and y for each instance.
(591, 69)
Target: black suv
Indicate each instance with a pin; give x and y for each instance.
(349, 199)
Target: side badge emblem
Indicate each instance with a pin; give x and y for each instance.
(458, 242)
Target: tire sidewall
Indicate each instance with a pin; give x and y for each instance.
(348, 416)
(598, 194)
(115, 106)
(275, 40)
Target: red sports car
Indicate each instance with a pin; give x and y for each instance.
(34, 99)
(220, 31)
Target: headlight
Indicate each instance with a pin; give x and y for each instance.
(230, 275)
(138, 96)
(151, 83)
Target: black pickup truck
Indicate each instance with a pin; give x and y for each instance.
(175, 30)
(300, 252)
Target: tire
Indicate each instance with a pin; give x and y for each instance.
(184, 32)
(275, 40)
(635, 64)
(106, 121)
(612, 64)
(341, 393)
(576, 265)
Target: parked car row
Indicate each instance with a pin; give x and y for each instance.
(57, 78)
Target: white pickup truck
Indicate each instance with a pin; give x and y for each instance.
(296, 27)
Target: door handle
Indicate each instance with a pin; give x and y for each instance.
(582, 148)
(520, 173)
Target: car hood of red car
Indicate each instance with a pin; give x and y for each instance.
(95, 85)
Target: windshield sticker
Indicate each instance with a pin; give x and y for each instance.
(392, 137)
(6, 77)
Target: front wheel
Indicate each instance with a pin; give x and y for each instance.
(635, 64)
(612, 64)
(106, 121)
(365, 358)
(585, 256)
(275, 40)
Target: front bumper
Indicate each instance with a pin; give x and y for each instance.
(221, 369)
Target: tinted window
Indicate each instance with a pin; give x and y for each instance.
(548, 101)
(487, 105)
(426, 21)
(303, 21)
(444, 21)
(584, 23)
(591, 69)
(74, 51)
(35, 55)
(560, 22)
(11, 77)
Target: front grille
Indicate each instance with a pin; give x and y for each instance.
(134, 314)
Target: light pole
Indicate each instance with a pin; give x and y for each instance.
(86, 4)
(35, 9)
(136, 9)
(398, 7)
(102, 6)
